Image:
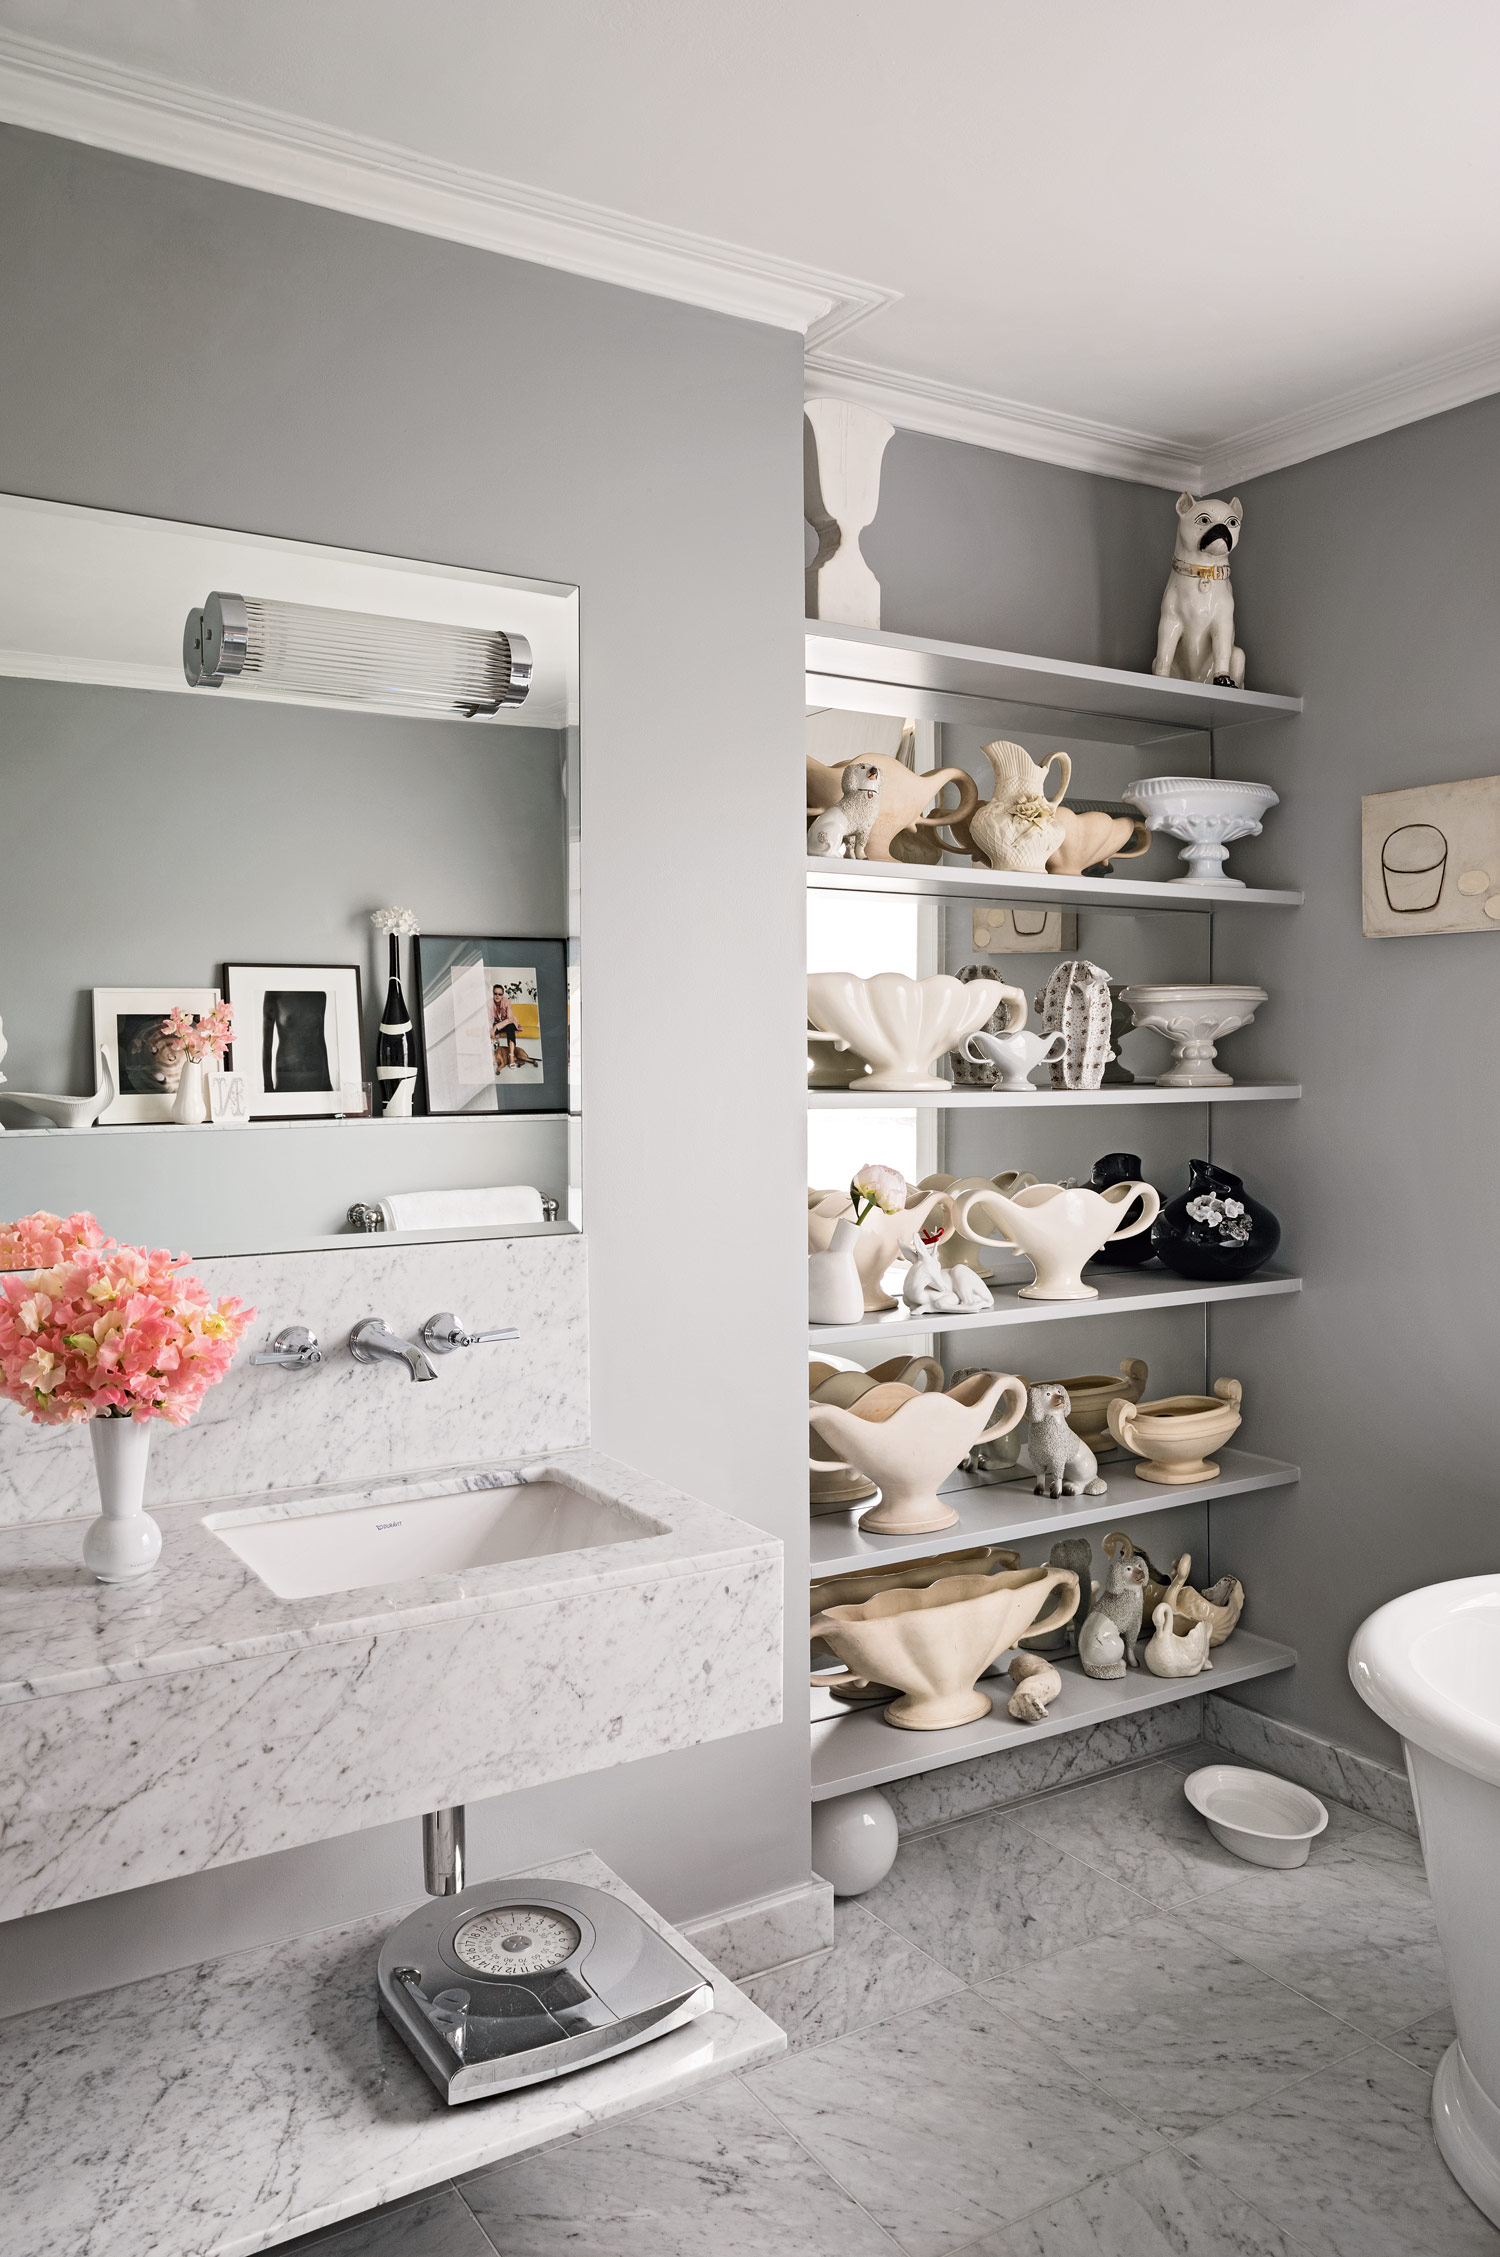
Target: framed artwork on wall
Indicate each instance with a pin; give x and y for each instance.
(298, 1040)
(129, 1028)
(1431, 859)
(493, 1019)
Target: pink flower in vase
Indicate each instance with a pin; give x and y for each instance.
(197, 1039)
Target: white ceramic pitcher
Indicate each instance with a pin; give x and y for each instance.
(1059, 1227)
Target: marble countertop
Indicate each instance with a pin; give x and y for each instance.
(61, 1632)
(225, 2108)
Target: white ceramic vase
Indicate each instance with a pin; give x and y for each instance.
(835, 1290)
(1206, 811)
(190, 1105)
(1194, 1020)
(124, 1541)
(907, 1443)
(1059, 1227)
(1015, 1054)
(901, 1024)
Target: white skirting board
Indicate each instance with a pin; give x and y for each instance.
(746, 1939)
(225, 2108)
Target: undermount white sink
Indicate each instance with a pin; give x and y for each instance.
(406, 1535)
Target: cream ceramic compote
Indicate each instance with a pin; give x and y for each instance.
(901, 1024)
(935, 1643)
(1174, 1436)
(908, 1443)
(1059, 1227)
(1209, 812)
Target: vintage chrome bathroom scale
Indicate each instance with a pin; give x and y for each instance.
(512, 1982)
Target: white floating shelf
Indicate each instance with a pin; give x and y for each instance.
(966, 1100)
(859, 1749)
(866, 670)
(319, 1122)
(1119, 1293)
(1001, 1512)
(957, 882)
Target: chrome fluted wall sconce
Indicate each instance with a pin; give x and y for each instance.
(358, 655)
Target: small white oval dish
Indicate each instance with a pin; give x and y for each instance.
(1258, 1816)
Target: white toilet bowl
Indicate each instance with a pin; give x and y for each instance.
(1429, 1664)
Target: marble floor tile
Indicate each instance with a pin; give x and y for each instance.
(1161, 2207)
(1170, 2025)
(1398, 1853)
(990, 1893)
(712, 2176)
(1343, 1930)
(1428, 2041)
(1140, 1829)
(439, 2224)
(1345, 2163)
(949, 2121)
(870, 1972)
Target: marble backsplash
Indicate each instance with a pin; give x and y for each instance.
(264, 1428)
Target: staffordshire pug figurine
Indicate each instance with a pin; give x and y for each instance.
(1195, 637)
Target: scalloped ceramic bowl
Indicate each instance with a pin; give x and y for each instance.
(1208, 812)
(900, 1024)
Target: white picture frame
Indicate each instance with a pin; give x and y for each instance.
(122, 1018)
(298, 1061)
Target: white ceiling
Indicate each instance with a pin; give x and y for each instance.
(1172, 238)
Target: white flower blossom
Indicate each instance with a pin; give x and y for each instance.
(875, 1185)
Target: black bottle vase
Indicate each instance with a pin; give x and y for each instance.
(396, 1051)
(1123, 1253)
(1214, 1230)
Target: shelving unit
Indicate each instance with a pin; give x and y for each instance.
(994, 1511)
(1031, 1101)
(931, 881)
(870, 671)
(1006, 693)
(1120, 1293)
(857, 1748)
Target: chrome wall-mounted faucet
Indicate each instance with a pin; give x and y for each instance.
(373, 1342)
(294, 1348)
(443, 1333)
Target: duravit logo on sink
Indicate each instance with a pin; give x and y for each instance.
(382, 1525)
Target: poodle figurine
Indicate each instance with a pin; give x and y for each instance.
(1064, 1466)
(844, 829)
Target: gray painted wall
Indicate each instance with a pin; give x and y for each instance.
(392, 392)
(1366, 579)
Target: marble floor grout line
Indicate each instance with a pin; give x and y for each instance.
(817, 2164)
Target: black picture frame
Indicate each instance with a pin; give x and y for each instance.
(456, 977)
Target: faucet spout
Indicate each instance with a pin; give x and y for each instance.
(372, 1342)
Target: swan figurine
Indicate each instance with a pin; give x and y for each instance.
(1171, 1656)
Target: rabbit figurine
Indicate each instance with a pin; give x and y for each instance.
(928, 1287)
(1106, 1643)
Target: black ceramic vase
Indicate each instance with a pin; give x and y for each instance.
(1123, 1253)
(1214, 1230)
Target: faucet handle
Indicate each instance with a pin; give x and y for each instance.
(294, 1348)
(443, 1333)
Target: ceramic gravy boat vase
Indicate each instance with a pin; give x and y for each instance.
(876, 1237)
(1173, 1436)
(908, 1443)
(935, 1643)
(901, 1024)
(1015, 1054)
(958, 1248)
(904, 799)
(1058, 1228)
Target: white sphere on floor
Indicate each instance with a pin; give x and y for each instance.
(854, 1841)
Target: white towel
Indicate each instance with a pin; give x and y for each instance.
(450, 1210)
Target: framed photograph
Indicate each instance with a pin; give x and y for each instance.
(493, 1018)
(128, 1023)
(298, 1043)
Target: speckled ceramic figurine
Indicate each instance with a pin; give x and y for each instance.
(1076, 1001)
(1106, 1643)
(1064, 1466)
(1036, 1683)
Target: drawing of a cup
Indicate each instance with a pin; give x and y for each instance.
(1412, 862)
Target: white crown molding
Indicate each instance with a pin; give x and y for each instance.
(81, 98)
(983, 419)
(1408, 396)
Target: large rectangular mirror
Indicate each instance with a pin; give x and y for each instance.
(165, 845)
